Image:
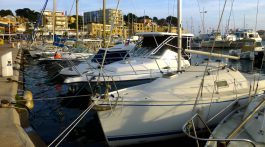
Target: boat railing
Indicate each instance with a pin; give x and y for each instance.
(161, 45)
(190, 130)
(223, 110)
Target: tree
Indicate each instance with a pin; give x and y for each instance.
(80, 22)
(31, 15)
(129, 17)
(161, 22)
(173, 20)
(145, 16)
(155, 19)
(5, 13)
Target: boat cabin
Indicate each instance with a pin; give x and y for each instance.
(247, 34)
(156, 43)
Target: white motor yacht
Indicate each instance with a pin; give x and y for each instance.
(156, 55)
(115, 53)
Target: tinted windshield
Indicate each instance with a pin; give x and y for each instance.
(111, 56)
(148, 44)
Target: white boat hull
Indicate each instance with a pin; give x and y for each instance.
(158, 110)
(138, 122)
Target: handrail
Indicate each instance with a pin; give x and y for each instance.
(161, 45)
(186, 130)
(235, 131)
(220, 112)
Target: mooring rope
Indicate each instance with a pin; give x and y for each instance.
(72, 126)
(56, 98)
(200, 91)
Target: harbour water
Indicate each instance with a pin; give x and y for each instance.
(51, 116)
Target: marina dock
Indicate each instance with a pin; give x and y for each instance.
(15, 129)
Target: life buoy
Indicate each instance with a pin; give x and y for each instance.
(57, 56)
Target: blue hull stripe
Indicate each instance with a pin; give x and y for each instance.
(116, 138)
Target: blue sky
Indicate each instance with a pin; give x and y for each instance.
(163, 8)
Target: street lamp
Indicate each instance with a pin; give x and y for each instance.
(203, 24)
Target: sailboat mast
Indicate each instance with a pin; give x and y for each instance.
(54, 18)
(179, 33)
(104, 23)
(76, 5)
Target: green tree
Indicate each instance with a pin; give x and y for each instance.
(80, 22)
(145, 16)
(173, 20)
(31, 15)
(155, 19)
(161, 22)
(130, 17)
(5, 13)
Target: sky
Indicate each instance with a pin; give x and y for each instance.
(192, 18)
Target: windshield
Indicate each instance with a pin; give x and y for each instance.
(148, 44)
(258, 44)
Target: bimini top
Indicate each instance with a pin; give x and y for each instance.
(162, 34)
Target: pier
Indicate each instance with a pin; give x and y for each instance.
(14, 126)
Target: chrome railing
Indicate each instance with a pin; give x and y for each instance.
(189, 128)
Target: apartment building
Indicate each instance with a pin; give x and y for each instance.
(96, 30)
(97, 17)
(61, 23)
(143, 27)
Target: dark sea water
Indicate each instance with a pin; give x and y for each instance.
(50, 117)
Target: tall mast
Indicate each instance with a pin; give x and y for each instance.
(244, 21)
(83, 30)
(203, 23)
(54, 18)
(104, 23)
(179, 33)
(76, 18)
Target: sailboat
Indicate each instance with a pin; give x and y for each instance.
(242, 127)
(158, 110)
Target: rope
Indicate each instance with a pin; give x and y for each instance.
(54, 98)
(231, 9)
(71, 126)
(257, 16)
(206, 67)
(112, 26)
(71, 8)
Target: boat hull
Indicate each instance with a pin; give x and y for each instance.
(100, 88)
(139, 122)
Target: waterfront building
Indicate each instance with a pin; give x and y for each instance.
(2, 29)
(96, 30)
(144, 27)
(5, 22)
(61, 23)
(97, 17)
